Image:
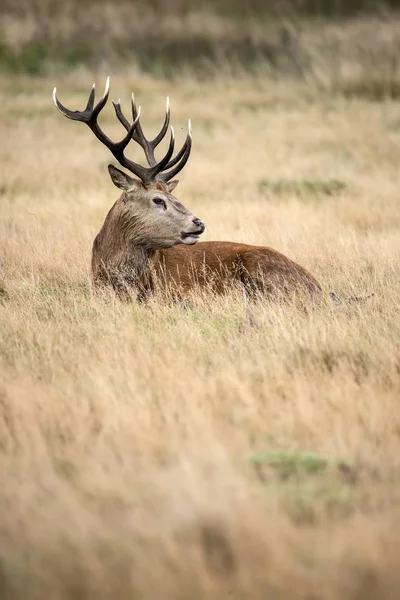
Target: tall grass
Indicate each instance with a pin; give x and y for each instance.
(217, 450)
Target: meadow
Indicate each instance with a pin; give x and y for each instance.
(221, 449)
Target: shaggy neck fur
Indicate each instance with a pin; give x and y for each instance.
(122, 251)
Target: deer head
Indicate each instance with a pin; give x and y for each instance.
(147, 209)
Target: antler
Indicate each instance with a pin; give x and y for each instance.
(149, 146)
(135, 132)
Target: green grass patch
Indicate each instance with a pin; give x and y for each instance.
(160, 55)
(369, 87)
(287, 464)
(34, 57)
(309, 486)
(302, 188)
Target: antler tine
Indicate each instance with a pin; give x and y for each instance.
(141, 140)
(164, 161)
(182, 156)
(89, 116)
(181, 152)
(101, 104)
(160, 136)
(121, 117)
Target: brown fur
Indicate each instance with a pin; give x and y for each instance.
(218, 265)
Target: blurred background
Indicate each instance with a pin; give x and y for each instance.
(351, 45)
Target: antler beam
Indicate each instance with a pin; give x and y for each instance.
(157, 171)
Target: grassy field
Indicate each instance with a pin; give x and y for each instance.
(222, 450)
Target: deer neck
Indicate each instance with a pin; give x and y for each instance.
(120, 255)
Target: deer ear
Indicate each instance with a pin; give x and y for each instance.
(171, 185)
(122, 180)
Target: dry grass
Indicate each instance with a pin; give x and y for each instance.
(143, 449)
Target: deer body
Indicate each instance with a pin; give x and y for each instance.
(214, 266)
(149, 240)
(218, 265)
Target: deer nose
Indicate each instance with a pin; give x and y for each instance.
(199, 224)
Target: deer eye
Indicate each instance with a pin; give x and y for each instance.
(159, 201)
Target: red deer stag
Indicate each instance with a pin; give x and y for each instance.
(149, 239)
